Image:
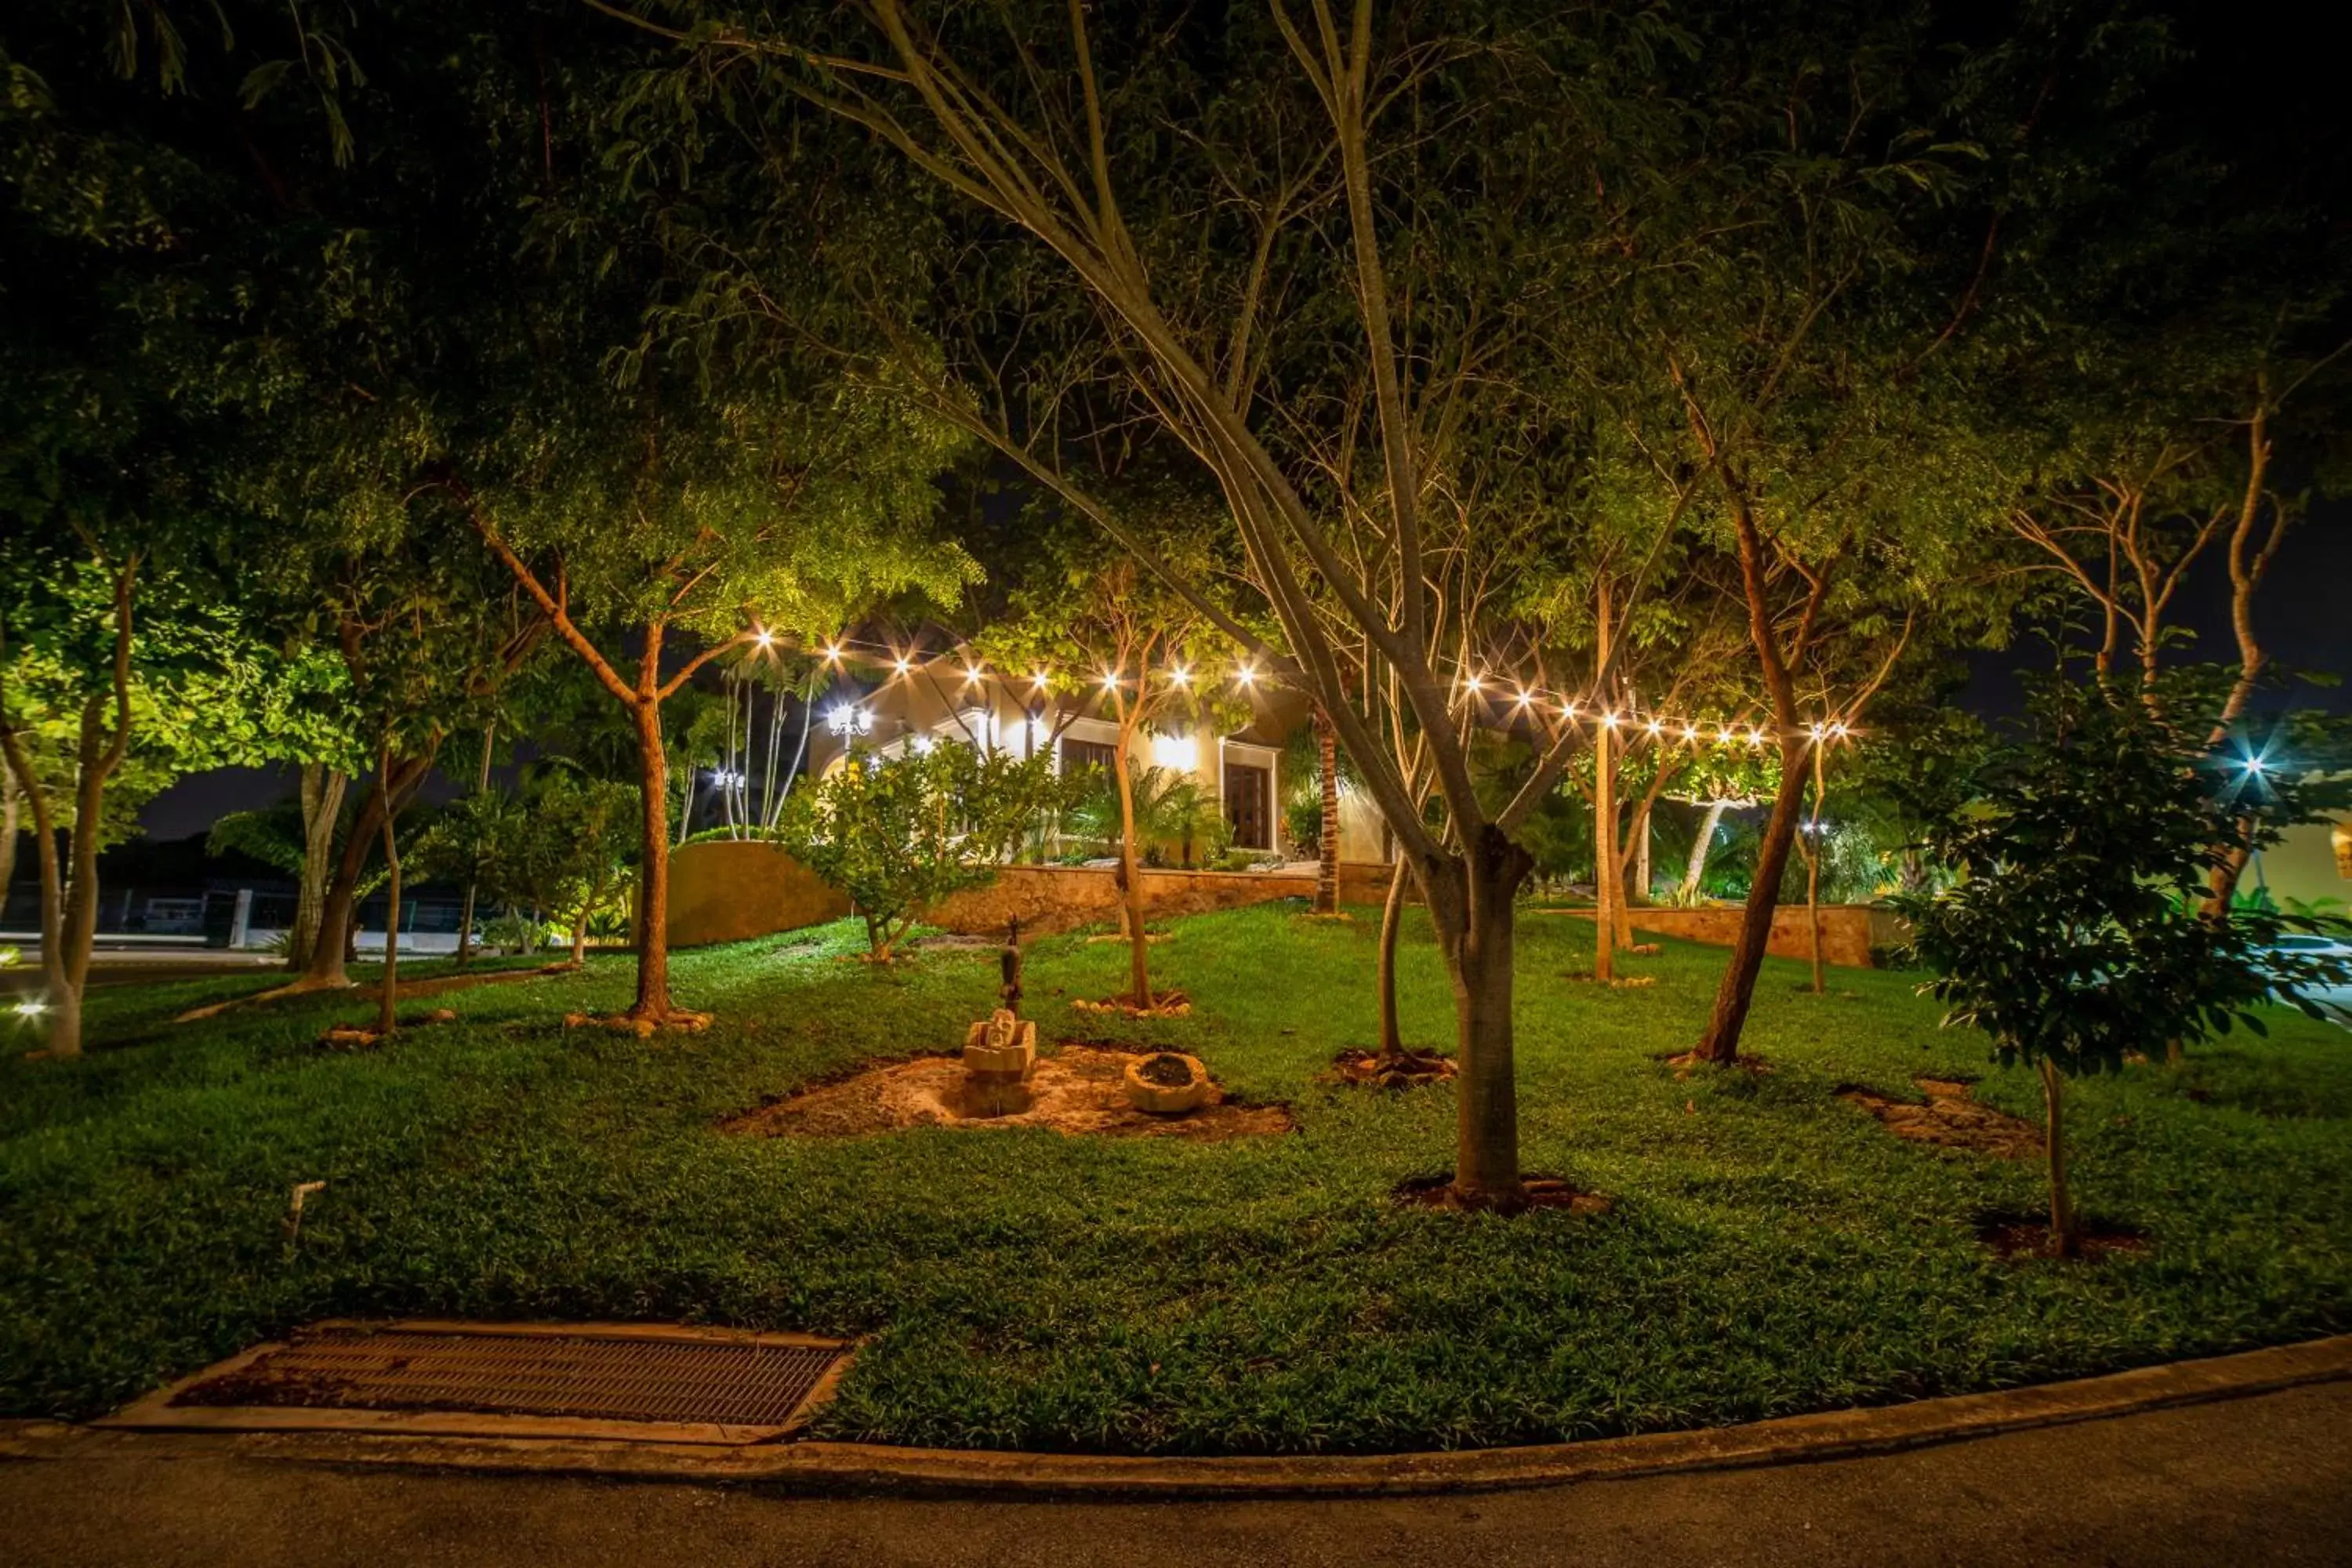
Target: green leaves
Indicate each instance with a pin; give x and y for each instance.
(897, 836)
(2074, 935)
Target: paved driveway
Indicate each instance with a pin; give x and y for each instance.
(2266, 1479)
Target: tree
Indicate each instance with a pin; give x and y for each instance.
(1119, 640)
(1239, 290)
(2074, 939)
(900, 836)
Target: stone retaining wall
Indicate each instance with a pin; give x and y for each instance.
(722, 891)
(1848, 930)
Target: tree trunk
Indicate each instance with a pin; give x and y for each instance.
(1721, 1042)
(1607, 883)
(1695, 870)
(1326, 874)
(1641, 890)
(465, 911)
(2064, 1238)
(653, 875)
(1813, 847)
(388, 996)
(1131, 879)
(1392, 918)
(65, 1009)
(330, 948)
(1472, 904)
(322, 789)
(10, 801)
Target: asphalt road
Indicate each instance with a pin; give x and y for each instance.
(2259, 1480)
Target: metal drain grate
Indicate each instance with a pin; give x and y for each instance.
(694, 1385)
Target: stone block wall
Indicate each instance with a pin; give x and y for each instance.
(1848, 930)
(729, 891)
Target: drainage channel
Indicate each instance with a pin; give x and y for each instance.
(641, 1383)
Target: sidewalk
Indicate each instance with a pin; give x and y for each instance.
(2266, 1479)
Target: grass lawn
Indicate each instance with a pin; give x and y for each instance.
(1772, 1250)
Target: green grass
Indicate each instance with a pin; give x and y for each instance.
(1771, 1250)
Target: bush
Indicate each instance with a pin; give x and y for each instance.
(900, 836)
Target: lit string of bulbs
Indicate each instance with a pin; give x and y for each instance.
(1519, 699)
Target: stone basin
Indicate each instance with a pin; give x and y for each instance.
(1165, 1099)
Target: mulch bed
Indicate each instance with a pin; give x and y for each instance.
(1949, 1118)
(1542, 1193)
(360, 1036)
(1408, 1070)
(1077, 1090)
(2013, 1239)
(677, 1021)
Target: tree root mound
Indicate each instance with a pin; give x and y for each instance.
(1535, 1193)
(365, 1036)
(2014, 1238)
(1406, 1070)
(1949, 1118)
(677, 1021)
(1167, 1004)
(1078, 1091)
(1685, 1063)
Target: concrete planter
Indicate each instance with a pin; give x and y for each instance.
(1164, 1098)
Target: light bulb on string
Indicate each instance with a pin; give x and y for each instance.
(1179, 676)
(1111, 681)
(1755, 736)
(1244, 674)
(971, 675)
(1655, 726)
(905, 665)
(1037, 681)
(1690, 731)
(1526, 697)
(1609, 720)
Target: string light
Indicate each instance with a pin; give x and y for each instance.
(840, 651)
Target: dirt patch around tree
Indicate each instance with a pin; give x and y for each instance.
(1685, 1063)
(1077, 1090)
(1538, 1193)
(1949, 1118)
(1407, 1070)
(2015, 1238)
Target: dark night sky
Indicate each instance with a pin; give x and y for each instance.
(2266, 95)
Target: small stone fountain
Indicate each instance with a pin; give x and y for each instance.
(1000, 1051)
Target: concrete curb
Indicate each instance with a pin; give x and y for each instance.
(823, 1467)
